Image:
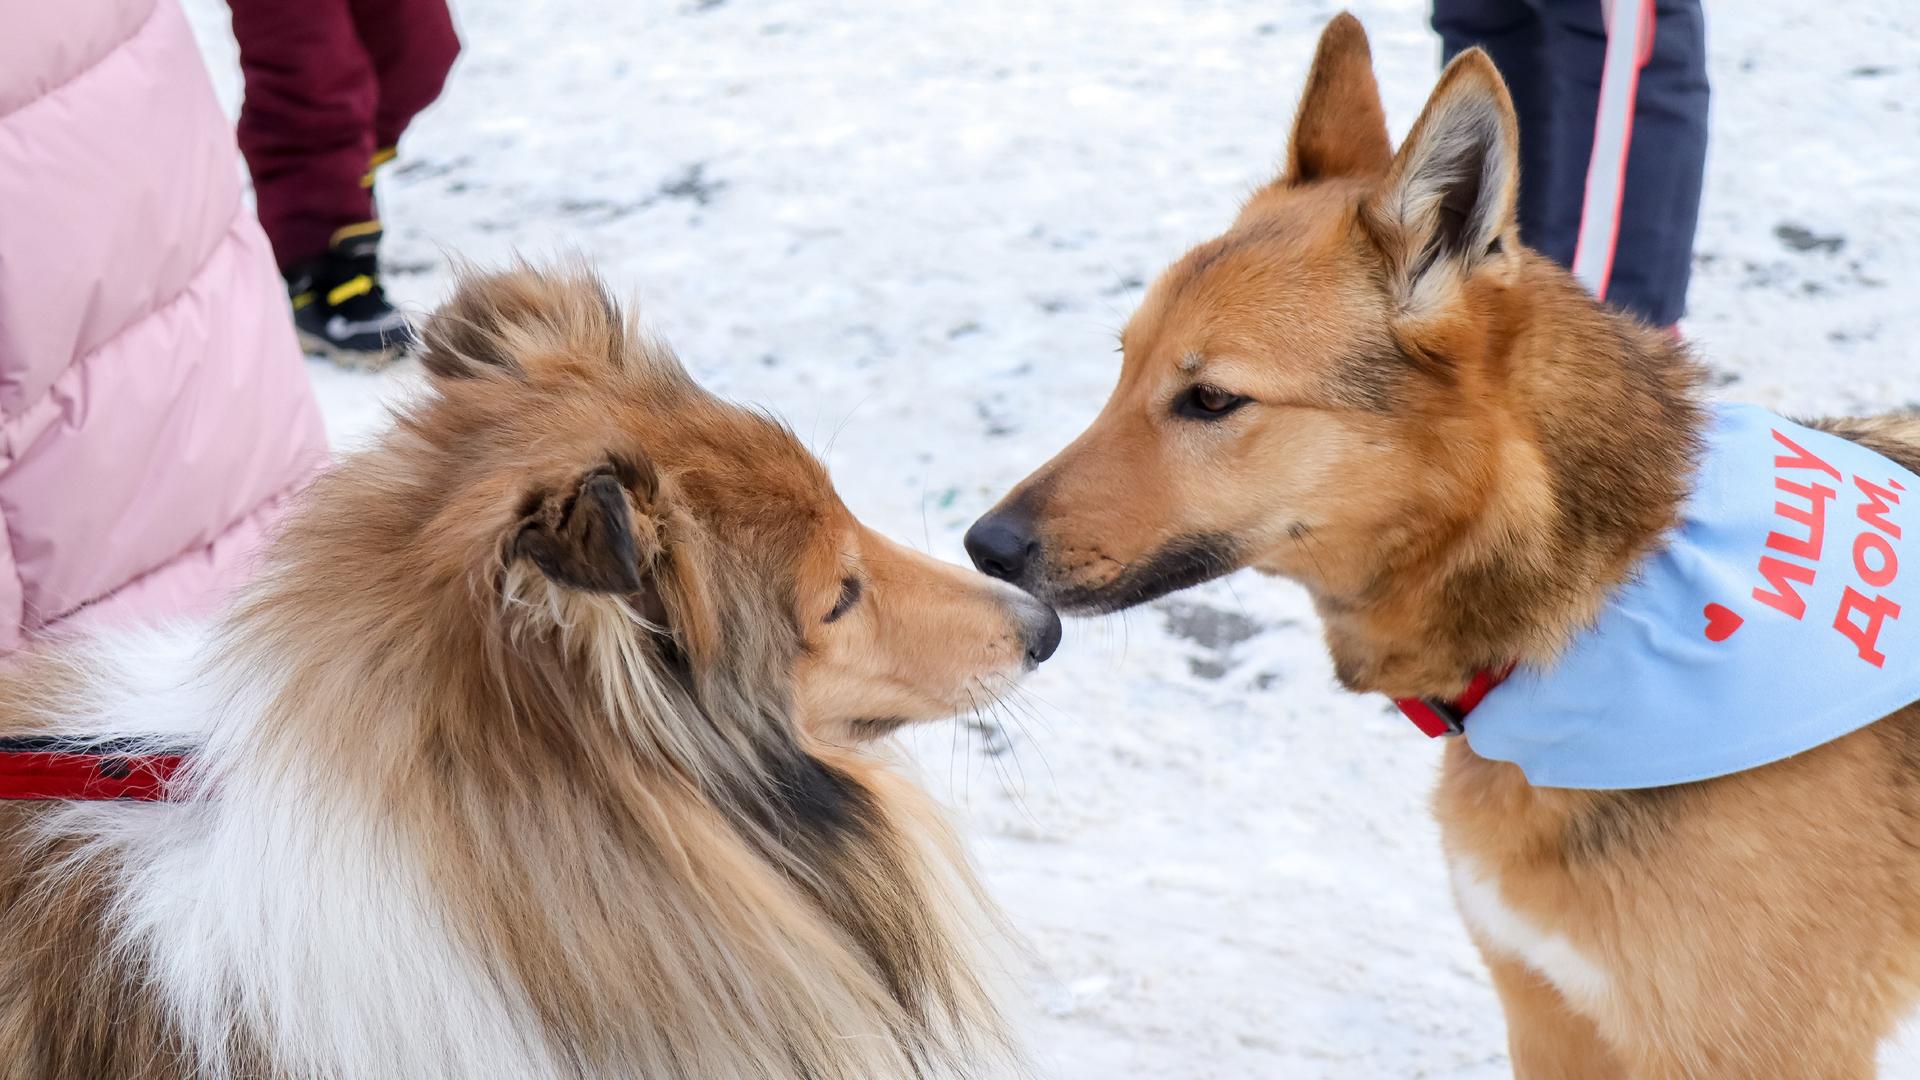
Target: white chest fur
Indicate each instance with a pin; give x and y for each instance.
(284, 895)
(1578, 977)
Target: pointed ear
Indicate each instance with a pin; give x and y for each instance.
(1447, 207)
(1340, 129)
(600, 536)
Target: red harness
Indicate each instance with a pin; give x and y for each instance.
(46, 767)
(1436, 716)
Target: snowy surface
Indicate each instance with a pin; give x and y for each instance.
(914, 228)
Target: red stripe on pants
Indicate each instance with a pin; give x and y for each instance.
(327, 83)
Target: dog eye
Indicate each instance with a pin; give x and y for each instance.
(849, 595)
(1203, 402)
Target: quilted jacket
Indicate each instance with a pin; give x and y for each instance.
(155, 414)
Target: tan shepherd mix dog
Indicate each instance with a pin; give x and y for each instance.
(1367, 385)
(528, 759)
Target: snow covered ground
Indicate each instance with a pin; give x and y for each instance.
(913, 228)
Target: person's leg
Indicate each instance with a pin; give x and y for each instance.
(1511, 33)
(1661, 211)
(413, 46)
(1627, 198)
(307, 121)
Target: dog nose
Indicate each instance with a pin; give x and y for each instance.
(1001, 545)
(1043, 635)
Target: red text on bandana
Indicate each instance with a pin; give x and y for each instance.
(1795, 546)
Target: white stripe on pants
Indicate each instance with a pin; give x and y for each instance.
(1629, 32)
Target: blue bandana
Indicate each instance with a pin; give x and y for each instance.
(1775, 619)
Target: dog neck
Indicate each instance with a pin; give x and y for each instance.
(1567, 454)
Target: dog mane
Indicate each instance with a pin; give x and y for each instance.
(504, 827)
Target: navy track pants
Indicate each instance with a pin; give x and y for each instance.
(1613, 141)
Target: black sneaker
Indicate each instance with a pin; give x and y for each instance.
(339, 308)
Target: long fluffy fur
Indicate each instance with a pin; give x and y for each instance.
(449, 818)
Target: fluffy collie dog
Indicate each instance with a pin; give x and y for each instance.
(531, 755)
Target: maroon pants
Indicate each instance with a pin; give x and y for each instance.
(328, 84)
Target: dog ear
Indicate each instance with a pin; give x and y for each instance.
(1447, 206)
(498, 323)
(602, 536)
(1340, 129)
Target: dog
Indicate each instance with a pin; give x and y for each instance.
(1369, 386)
(537, 750)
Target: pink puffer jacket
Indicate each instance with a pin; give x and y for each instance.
(154, 409)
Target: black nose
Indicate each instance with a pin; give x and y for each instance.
(1001, 546)
(1043, 637)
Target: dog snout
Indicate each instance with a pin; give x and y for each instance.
(1040, 630)
(1002, 545)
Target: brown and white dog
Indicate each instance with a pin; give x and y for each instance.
(531, 757)
(1367, 385)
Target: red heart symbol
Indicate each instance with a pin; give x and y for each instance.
(1722, 621)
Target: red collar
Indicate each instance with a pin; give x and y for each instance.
(41, 767)
(1436, 716)
(49, 767)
